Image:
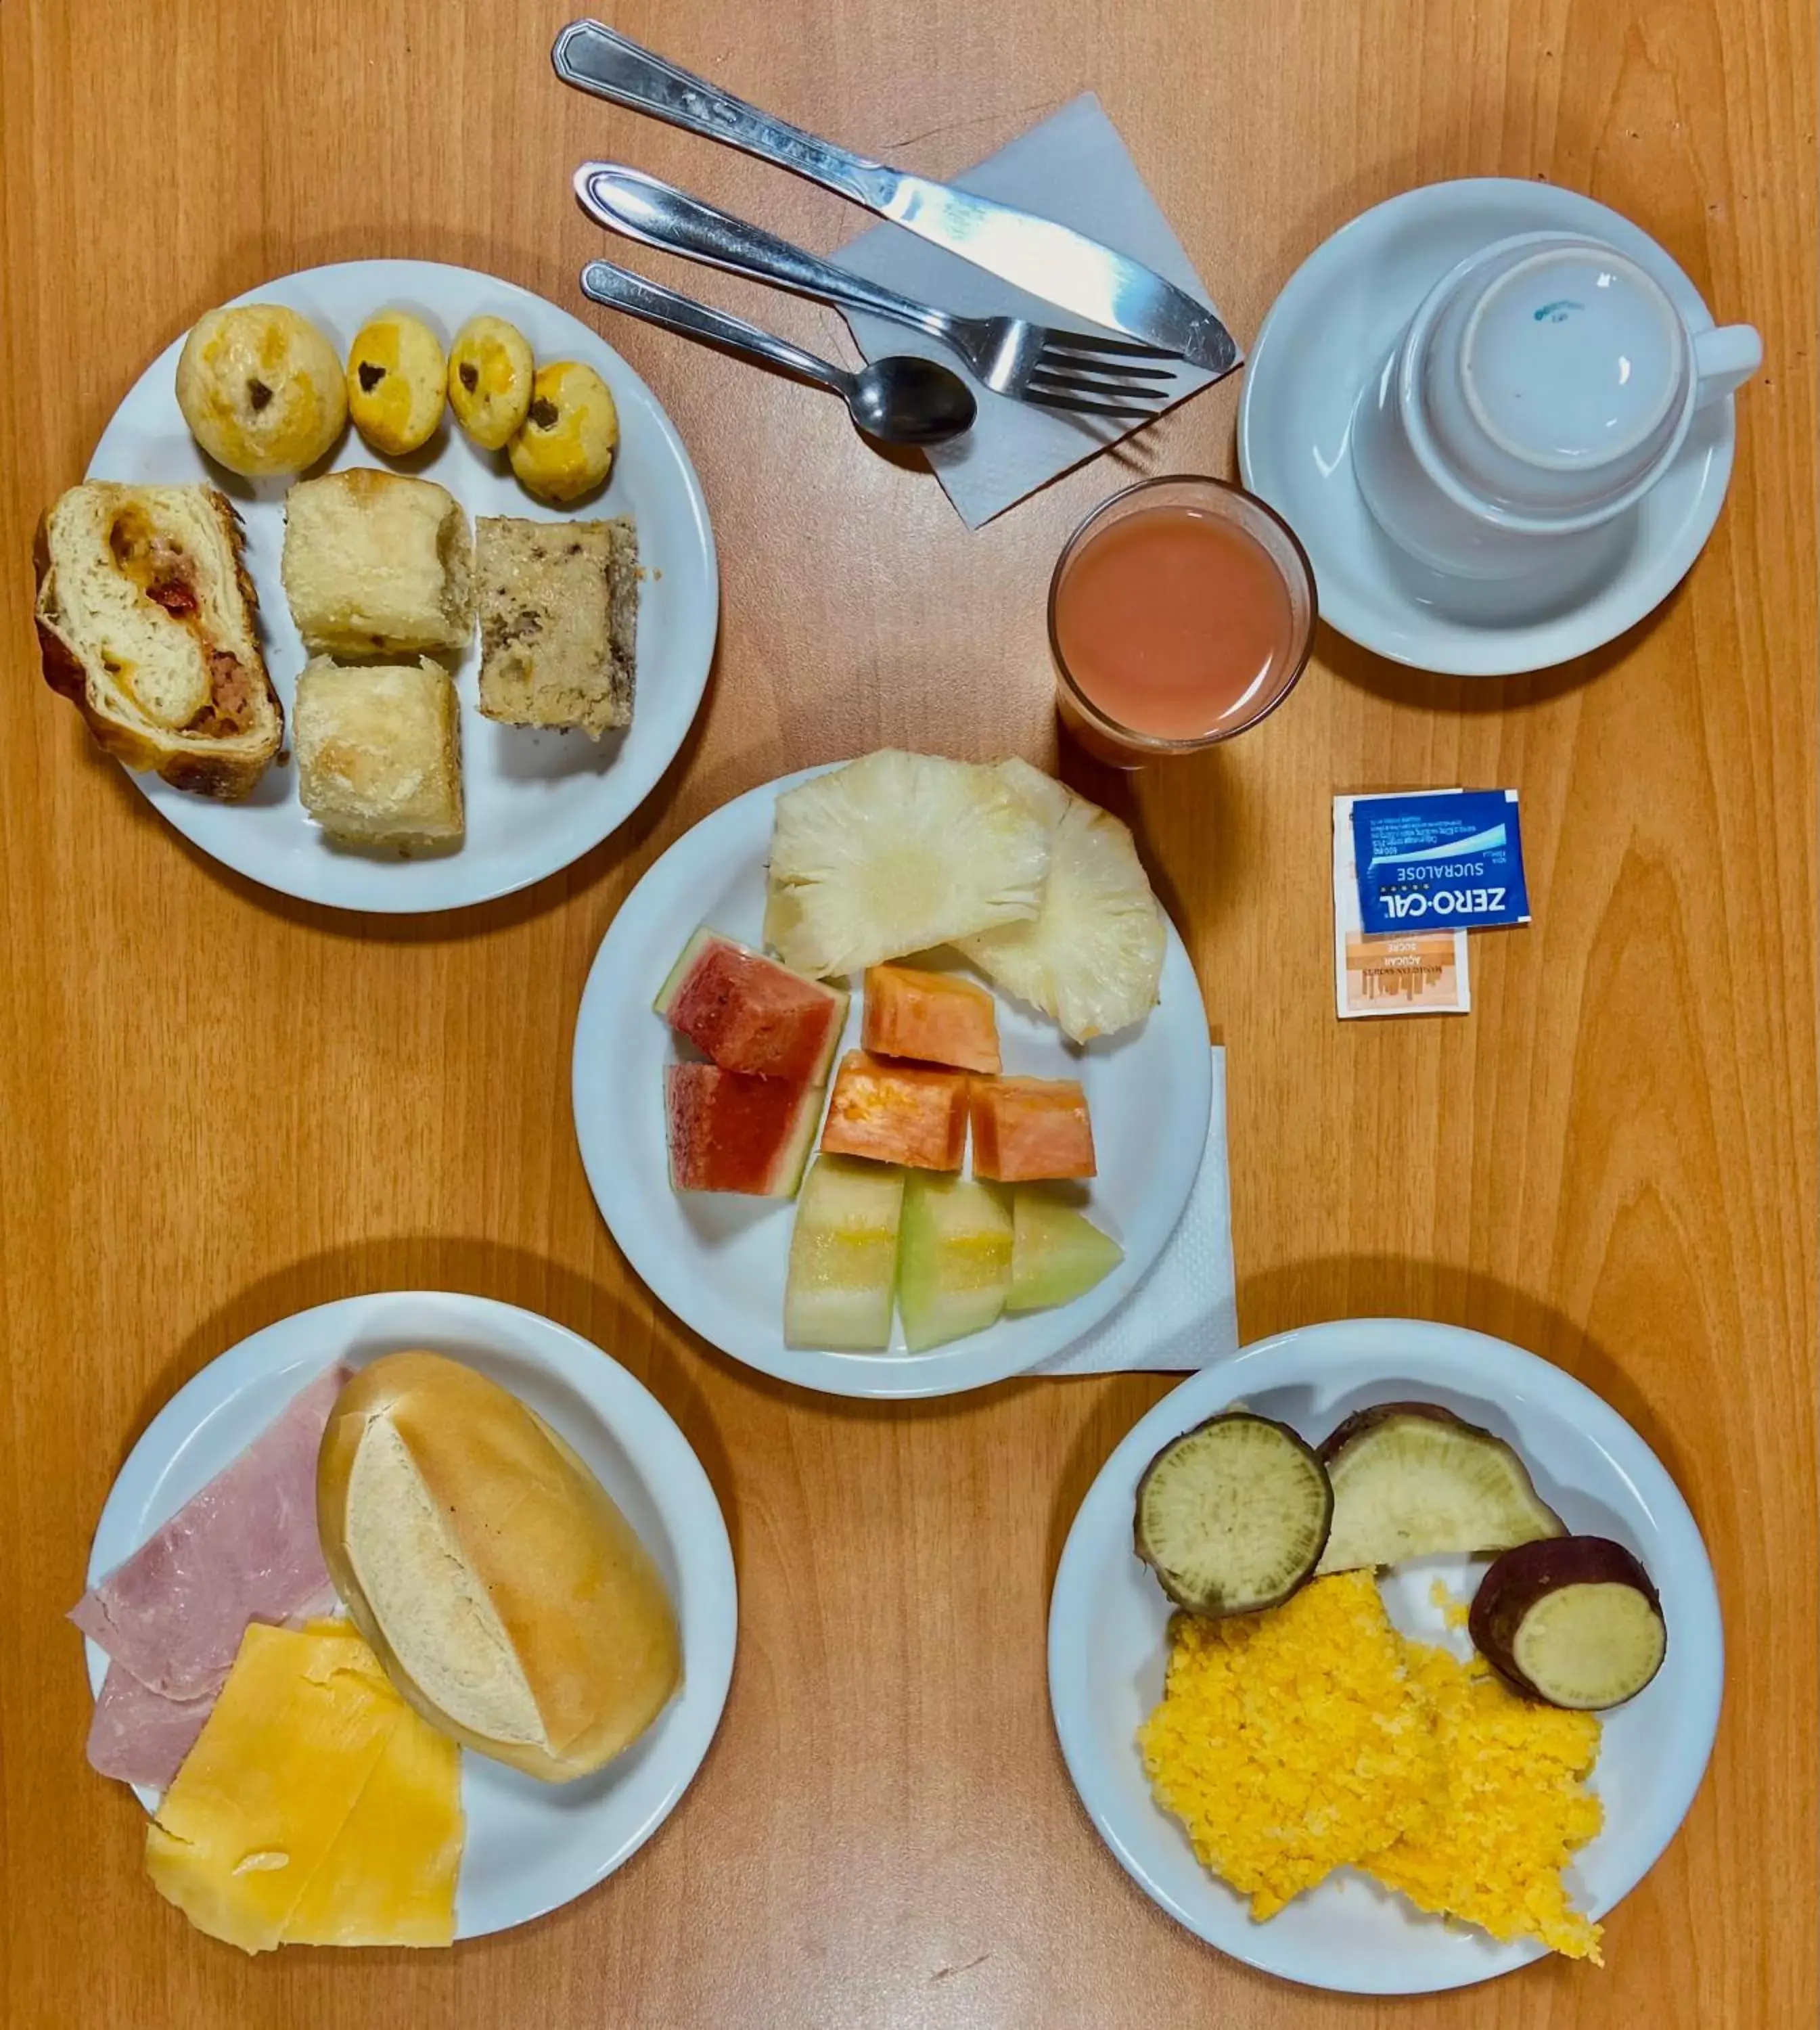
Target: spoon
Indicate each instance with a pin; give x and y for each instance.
(902, 399)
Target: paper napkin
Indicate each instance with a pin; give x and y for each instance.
(1184, 1314)
(1075, 168)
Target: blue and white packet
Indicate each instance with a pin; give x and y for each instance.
(1448, 860)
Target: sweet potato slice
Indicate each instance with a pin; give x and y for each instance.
(1573, 1621)
(1231, 1515)
(1411, 1480)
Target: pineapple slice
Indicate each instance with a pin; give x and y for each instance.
(897, 853)
(1093, 957)
(1044, 794)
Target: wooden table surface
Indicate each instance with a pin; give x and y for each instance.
(220, 1107)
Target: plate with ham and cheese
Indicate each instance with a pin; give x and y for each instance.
(316, 1772)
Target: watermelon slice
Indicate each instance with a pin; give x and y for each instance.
(748, 1013)
(733, 1131)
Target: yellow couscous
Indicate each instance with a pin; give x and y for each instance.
(1314, 1736)
(1454, 1610)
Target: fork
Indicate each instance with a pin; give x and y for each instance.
(1082, 372)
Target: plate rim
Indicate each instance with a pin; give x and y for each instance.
(397, 277)
(957, 1368)
(683, 1482)
(1514, 651)
(1497, 1368)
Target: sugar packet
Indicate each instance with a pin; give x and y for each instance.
(1402, 972)
(1444, 858)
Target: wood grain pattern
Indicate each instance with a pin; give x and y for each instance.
(218, 1108)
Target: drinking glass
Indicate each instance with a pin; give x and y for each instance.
(1098, 729)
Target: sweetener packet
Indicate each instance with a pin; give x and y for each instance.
(1440, 859)
(1406, 971)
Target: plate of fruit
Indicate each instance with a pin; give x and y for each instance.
(892, 1078)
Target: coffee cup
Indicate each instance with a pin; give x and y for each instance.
(1543, 387)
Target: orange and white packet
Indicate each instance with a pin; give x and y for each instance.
(1416, 973)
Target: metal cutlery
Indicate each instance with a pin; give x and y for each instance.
(1053, 262)
(1061, 369)
(901, 401)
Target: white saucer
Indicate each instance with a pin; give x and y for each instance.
(1108, 1623)
(1329, 331)
(530, 1846)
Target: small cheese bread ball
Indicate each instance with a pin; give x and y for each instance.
(566, 447)
(396, 381)
(261, 389)
(489, 379)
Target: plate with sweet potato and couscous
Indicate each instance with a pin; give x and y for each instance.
(1386, 1657)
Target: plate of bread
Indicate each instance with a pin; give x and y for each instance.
(390, 583)
(410, 1618)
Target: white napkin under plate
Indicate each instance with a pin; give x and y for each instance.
(1184, 1313)
(1074, 168)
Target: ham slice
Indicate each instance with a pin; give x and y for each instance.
(243, 1549)
(139, 1735)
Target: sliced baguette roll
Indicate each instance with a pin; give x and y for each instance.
(146, 623)
(506, 1596)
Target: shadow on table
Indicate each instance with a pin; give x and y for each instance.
(640, 1344)
(1202, 808)
(1423, 690)
(1393, 1286)
(1304, 1293)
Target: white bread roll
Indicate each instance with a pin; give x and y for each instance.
(375, 563)
(379, 753)
(509, 1600)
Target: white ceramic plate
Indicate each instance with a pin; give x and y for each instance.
(718, 1261)
(531, 1847)
(1107, 1620)
(535, 800)
(1328, 333)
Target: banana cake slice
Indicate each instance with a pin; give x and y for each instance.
(559, 611)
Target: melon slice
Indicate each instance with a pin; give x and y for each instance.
(1056, 1253)
(897, 1113)
(748, 1013)
(843, 1257)
(936, 1017)
(732, 1131)
(1027, 1128)
(954, 1260)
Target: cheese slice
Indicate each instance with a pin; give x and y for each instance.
(264, 1826)
(389, 1879)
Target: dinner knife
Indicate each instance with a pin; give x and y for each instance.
(1050, 261)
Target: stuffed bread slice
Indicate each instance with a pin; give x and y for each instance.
(146, 623)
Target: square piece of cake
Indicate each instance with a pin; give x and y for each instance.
(559, 612)
(379, 753)
(376, 563)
